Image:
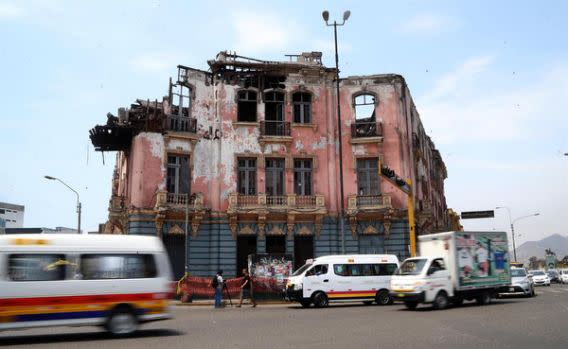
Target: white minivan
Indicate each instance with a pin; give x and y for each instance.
(343, 278)
(114, 281)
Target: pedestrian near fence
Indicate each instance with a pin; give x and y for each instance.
(246, 289)
(217, 284)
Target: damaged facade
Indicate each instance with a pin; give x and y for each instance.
(249, 150)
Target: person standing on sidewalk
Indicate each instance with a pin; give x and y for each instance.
(217, 284)
(246, 289)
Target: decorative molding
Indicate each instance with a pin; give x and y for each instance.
(176, 230)
(353, 224)
(305, 231)
(370, 230)
(233, 222)
(290, 226)
(246, 230)
(261, 225)
(276, 230)
(318, 225)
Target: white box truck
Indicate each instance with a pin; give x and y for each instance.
(453, 267)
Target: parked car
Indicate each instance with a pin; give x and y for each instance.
(563, 276)
(520, 283)
(553, 275)
(540, 278)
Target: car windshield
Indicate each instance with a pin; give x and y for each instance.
(538, 272)
(412, 267)
(302, 269)
(518, 273)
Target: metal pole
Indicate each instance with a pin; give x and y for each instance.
(185, 268)
(78, 216)
(341, 215)
(513, 237)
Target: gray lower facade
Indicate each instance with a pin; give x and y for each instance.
(215, 247)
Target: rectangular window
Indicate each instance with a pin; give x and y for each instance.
(320, 269)
(178, 177)
(246, 108)
(117, 266)
(303, 176)
(246, 176)
(36, 267)
(385, 269)
(368, 177)
(275, 177)
(302, 103)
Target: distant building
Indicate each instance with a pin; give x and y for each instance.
(12, 215)
(57, 230)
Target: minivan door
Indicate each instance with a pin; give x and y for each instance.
(316, 279)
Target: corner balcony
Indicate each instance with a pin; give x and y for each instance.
(366, 132)
(368, 203)
(290, 203)
(179, 123)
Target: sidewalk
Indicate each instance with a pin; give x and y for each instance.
(210, 303)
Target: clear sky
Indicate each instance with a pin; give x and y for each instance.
(489, 78)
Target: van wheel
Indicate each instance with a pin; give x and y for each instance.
(441, 301)
(320, 300)
(122, 322)
(484, 298)
(383, 298)
(411, 305)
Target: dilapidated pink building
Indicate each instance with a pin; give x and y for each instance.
(248, 151)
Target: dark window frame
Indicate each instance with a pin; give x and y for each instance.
(174, 174)
(275, 172)
(247, 172)
(247, 101)
(368, 179)
(274, 110)
(302, 107)
(303, 176)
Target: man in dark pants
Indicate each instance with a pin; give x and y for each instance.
(246, 289)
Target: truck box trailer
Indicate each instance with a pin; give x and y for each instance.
(453, 267)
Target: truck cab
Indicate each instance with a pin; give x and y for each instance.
(423, 280)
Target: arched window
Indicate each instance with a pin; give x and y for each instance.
(364, 105)
(302, 102)
(246, 108)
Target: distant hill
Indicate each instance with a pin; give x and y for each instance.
(557, 243)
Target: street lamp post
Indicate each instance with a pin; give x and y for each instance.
(512, 223)
(78, 202)
(325, 15)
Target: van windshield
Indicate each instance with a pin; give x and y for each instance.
(302, 269)
(412, 267)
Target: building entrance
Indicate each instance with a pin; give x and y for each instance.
(276, 244)
(245, 245)
(174, 244)
(303, 250)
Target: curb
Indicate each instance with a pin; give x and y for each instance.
(210, 303)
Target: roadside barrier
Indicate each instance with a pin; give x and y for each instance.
(191, 287)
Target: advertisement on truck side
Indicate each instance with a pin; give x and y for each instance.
(482, 259)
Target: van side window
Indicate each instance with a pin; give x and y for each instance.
(385, 269)
(340, 269)
(115, 266)
(320, 269)
(36, 267)
(355, 270)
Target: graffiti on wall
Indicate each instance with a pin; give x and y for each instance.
(270, 272)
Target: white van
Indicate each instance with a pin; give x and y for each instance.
(115, 281)
(343, 278)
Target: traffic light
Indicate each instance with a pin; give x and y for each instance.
(391, 176)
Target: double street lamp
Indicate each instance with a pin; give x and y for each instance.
(512, 222)
(78, 202)
(325, 15)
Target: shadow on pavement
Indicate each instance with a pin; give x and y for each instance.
(81, 337)
(494, 302)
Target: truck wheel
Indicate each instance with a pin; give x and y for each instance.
(383, 298)
(484, 298)
(411, 305)
(122, 322)
(320, 300)
(441, 301)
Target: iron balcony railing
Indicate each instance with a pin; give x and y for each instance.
(290, 201)
(366, 129)
(181, 124)
(373, 200)
(276, 200)
(180, 199)
(274, 128)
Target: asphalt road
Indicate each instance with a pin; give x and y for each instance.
(540, 322)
